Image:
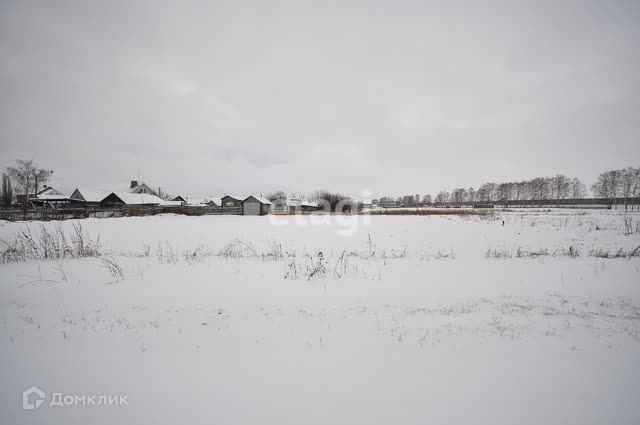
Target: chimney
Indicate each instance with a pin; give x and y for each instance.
(134, 183)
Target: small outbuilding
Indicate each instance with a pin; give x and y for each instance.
(254, 205)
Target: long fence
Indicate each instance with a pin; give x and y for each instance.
(17, 214)
(45, 214)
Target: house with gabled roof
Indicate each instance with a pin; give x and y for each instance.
(87, 197)
(232, 201)
(141, 188)
(255, 205)
(126, 199)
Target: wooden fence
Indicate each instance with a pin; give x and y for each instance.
(45, 214)
(632, 203)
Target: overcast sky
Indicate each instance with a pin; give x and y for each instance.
(389, 97)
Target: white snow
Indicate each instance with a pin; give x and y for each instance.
(138, 198)
(92, 195)
(411, 323)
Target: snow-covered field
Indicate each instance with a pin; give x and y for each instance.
(321, 320)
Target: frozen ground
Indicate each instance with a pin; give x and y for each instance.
(412, 320)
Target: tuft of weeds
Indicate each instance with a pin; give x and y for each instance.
(113, 267)
(238, 249)
(498, 253)
(313, 266)
(619, 253)
(166, 254)
(49, 243)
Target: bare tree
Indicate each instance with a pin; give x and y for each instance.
(504, 192)
(486, 192)
(471, 194)
(330, 199)
(277, 196)
(442, 197)
(7, 190)
(408, 201)
(459, 195)
(629, 184)
(560, 185)
(426, 199)
(608, 185)
(519, 190)
(41, 176)
(577, 189)
(23, 176)
(28, 177)
(635, 190)
(539, 189)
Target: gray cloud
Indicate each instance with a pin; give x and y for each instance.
(391, 97)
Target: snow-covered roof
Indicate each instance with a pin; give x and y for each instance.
(294, 202)
(138, 198)
(260, 199)
(200, 202)
(52, 197)
(48, 191)
(196, 202)
(171, 203)
(90, 195)
(237, 197)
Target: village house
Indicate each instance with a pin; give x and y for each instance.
(87, 198)
(141, 188)
(231, 204)
(126, 199)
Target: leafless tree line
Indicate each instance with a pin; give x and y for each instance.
(615, 184)
(559, 187)
(612, 184)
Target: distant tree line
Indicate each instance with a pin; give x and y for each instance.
(612, 184)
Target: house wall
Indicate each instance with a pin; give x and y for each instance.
(251, 207)
(111, 201)
(143, 188)
(229, 202)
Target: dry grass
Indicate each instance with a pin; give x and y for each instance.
(49, 243)
(435, 211)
